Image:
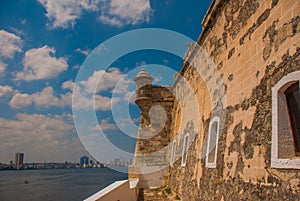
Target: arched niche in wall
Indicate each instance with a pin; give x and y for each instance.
(185, 149)
(212, 143)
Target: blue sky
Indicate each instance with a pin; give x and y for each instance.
(43, 44)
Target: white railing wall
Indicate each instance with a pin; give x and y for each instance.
(125, 190)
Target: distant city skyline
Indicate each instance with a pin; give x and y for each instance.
(19, 159)
(26, 160)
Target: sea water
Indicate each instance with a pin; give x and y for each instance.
(55, 184)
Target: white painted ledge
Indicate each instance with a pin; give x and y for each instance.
(125, 190)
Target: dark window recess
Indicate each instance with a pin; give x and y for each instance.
(213, 142)
(185, 149)
(173, 152)
(293, 102)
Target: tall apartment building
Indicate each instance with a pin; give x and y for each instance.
(84, 161)
(19, 158)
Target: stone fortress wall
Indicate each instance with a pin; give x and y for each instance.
(251, 57)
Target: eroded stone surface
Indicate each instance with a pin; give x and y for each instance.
(253, 44)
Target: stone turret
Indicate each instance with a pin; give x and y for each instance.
(150, 160)
(144, 99)
(143, 78)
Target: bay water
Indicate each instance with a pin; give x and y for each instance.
(55, 184)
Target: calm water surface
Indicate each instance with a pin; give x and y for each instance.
(55, 185)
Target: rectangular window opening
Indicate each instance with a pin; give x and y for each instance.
(185, 149)
(212, 143)
(292, 95)
(173, 152)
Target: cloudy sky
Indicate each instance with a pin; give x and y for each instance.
(43, 44)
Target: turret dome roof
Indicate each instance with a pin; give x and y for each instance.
(143, 73)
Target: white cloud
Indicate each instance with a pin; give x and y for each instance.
(23, 21)
(157, 79)
(64, 13)
(124, 12)
(9, 44)
(105, 125)
(130, 97)
(5, 90)
(2, 67)
(68, 85)
(41, 63)
(104, 103)
(45, 98)
(102, 80)
(112, 80)
(100, 49)
(20, 101)
(114, 21)
(99, 103)
(40, 137)
(67, 99)
(16, 31)
(85, 100)
(77, 66)
(84, 52)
